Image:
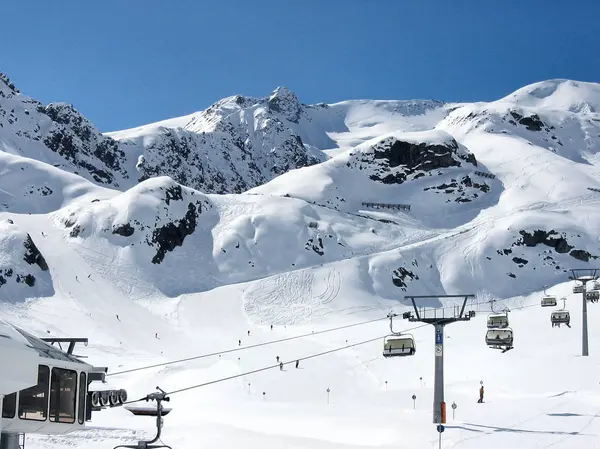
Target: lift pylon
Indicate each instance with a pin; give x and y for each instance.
(439, 319)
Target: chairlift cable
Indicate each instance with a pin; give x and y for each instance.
(242, 348)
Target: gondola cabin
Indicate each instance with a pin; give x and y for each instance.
(578, 289)
(499, 338)
(549, 301)
(399, 346)
(44, 389)
(497, 321)
(560, 317)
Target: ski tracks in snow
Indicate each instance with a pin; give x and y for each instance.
(289, 298)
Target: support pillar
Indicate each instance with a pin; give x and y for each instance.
(584, 326)
(438, 389)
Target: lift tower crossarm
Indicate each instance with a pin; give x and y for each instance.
(439, 415)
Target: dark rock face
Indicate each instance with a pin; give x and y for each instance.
(33, 254)
(400, 276)
(4, 79)
(286, 103)
(393, 161)
(520, 261)
(548, 238)
(582, 255)
(416, 157)
(316, 244)
(532, 123)
(557, 241)
(172, 235)
(126, 230)
(74, 138)
(8, 273)
(463, 187)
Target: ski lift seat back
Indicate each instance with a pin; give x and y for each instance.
(499, 338)
(399, 346)
(560, 317)
(549, 301)
(497, 321)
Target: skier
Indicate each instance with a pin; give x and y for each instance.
(297, 363)
(118, 318)
(239, 342)
(248, 333)
(277, 358)
(281, 366)
(156, 335)
(480, 401)
(271, 327)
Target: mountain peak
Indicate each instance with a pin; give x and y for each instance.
(285, 102)
(6, 81)
(561, 94)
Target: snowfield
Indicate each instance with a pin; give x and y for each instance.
(264, 219)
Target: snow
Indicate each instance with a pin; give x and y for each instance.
(156, 270)
(559, 94)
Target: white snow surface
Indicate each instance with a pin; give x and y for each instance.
(156, 271)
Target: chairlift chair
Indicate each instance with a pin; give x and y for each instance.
(500, 339)
(549, 301)
(399, 345)
(592, 296)
(559, 317)
(596, 285)
(578, 288)
(497, 321)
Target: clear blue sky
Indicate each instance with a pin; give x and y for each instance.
(124, 63)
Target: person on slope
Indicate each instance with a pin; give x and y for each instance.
(480, 401)
(281, 366)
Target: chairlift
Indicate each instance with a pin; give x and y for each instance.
(559, 317)
(579, 288)
(159, 412)
(497, 321)
(592, 296)
(499, 339)
(549, 301)
(596, 285)
(398, 344)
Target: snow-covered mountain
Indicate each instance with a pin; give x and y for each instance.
(266, 211)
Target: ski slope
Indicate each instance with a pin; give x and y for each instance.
(540, 394)
(154, 270)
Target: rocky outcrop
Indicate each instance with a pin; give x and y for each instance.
(33, 255)
(393, 161)
(553, 239)
(168, 237)
(463, 189)
(401, 276)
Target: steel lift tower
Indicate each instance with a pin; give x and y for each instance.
(579, 275)
(439, 318)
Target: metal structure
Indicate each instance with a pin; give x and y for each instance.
(561, 316)
(584, 279)
(398, 344)
(439, 319)
(500, 339)
(71, 341)
(497, 320)
(45, 390)
(159, 397)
